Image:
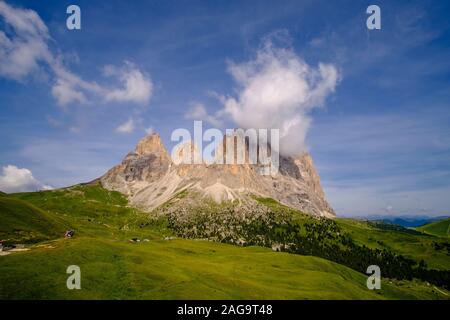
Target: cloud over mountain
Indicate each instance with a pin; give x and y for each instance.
(278, 89)
(198, 111)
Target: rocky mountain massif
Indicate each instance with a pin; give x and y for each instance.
(150, 178)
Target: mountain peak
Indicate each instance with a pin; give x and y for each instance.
(149, 177)
(150, 144)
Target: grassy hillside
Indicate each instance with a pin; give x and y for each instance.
(112, 267)
(25, 223)
(378, 235)
(92, 211)
(352, 243)
(439, 228)
(407, 242)
(186, 269)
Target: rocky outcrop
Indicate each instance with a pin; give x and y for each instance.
(150, 178)
(149, 162)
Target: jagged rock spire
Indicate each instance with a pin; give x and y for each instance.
(150, 178)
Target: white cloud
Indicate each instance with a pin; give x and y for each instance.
(26, 21)
(15, 179)
(65, 93)
(277, 89)
(149, 130)
(24, 51)
(126, 127)
(197, 111)
(136, 86)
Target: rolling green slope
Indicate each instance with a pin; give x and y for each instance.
(91, 211)
(186, 269)
(112, 267)
(407, 242)
(377, 235)
(439, 228)
(25, 223)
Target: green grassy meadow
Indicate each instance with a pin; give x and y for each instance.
(112, 267)
(439, 228)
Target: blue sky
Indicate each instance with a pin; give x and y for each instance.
(379, 132)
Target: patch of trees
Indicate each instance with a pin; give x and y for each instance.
(442, 246)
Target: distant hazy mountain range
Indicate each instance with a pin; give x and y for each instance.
(405, 221)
